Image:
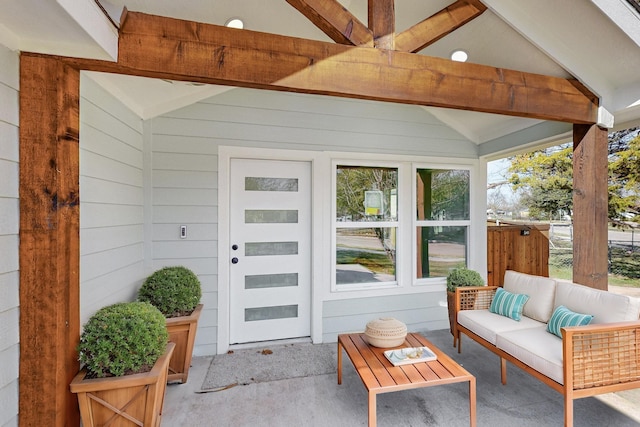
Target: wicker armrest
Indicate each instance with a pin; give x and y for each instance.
(601, 355)
(474, 297)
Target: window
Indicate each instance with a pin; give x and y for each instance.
(442, 220)
(366, 225)
(398, 224)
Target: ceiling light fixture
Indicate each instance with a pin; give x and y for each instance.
(459, 55)
(235, 23)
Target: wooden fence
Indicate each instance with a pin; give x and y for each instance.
(522, 247)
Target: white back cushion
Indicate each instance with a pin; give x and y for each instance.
(605, 307)
(541, 291)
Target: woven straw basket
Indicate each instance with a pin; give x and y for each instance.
(385, 332)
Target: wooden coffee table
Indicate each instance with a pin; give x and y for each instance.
(379, 376)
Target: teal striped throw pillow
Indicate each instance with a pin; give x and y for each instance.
(508, 304)
(562, 317)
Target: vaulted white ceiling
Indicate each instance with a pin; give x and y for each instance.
(595, 41)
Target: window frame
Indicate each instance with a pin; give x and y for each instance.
(406, 245)
(335, 225)
(422, 281)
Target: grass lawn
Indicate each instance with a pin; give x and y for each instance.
(566, 273)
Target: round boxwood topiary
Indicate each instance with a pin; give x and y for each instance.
(121, 339)
(463, 276)
(175, 291)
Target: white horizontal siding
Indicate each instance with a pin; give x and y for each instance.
(283, 120)
(184, 192)
(112, 200)
(425, 311)
(101, 167)
(9, 405)
(185, 182)
(113, 147)
(347, 124)
(9, 360)
(9, 258)
(9, 103)
(10, 218)
(103, 291)
(100, 239)
(185, 179)
(8, 138)
(9, 240)
(185, 214)
(9, 297)
(8, 178)
(168, 232)
(100, 191)
(185, 196)
(185, 162)
(9, 327)
(94, 215)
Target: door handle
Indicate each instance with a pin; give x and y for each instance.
(234, 247)
(234, 260)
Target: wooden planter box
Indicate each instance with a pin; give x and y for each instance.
(124, 401)
(182, 332)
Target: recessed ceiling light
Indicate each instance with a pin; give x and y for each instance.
(235, 23)
(459, 55)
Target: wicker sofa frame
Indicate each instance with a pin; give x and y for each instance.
(597, 359)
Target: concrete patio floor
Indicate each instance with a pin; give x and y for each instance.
(320, 401)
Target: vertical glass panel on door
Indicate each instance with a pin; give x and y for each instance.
(366, 193)
(270, 248)
(440, 249)
(442, 195)
(270, 313)
(267, 216)
(253, 183)
(365, 255)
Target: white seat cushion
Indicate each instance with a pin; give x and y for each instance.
(541, 291)
(487, 325)
(536, 348)
(606, 307)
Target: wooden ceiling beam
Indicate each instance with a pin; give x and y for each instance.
(335, 21)
(382, 22)
(184, 50)
(438, 25)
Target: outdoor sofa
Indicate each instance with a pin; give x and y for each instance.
(601, 357)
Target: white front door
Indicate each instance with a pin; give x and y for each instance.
(270, 253)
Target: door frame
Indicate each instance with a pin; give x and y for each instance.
(318, 223)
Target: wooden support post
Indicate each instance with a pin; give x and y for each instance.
(49, 241)
(590, 206)
(382, 22)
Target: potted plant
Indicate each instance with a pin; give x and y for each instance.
(124, 353)
(460, 276)
(176, 292)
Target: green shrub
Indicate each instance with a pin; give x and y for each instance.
(175, 291)
(463, 276)
(122, 339)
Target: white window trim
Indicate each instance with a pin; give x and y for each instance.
(406, 246)
(435, 223)
(365, 287)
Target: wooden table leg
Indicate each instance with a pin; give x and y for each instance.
(339, 362)
(372, 409)
(472, 402)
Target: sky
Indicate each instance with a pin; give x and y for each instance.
(497, 171)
